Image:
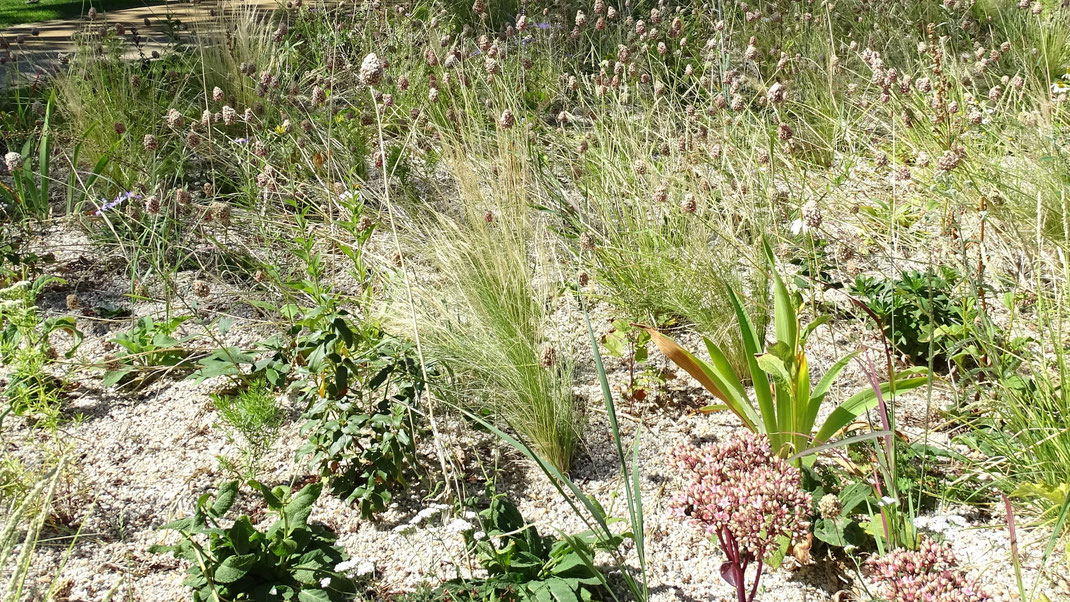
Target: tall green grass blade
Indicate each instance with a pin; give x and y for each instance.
(752, 348)
(631, 487)
(44, 158)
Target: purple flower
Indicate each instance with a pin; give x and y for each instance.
(240, 140)
(123, 197)
(543, 25)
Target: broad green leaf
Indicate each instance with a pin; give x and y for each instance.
(313, 595)
(817, 396)
(234, 568)
(809, 329)
(773, 366)
(753, 347)
(112, 377)
(562, 590)
(224, 499)
(777, 558)
(860, 403)
(717, 378)
(300, 506)
(787, 323)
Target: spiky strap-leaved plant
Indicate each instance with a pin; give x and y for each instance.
(785, 406)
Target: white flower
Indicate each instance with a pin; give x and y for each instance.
(458, 525)
(469, 515)
(13, 161)
(887, 501)
(405, 529)
(798, 226)
(345, 565)
(479, 536)
(365, 568)
(325, 582)
(426, 513)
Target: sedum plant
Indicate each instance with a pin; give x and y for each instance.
(929, 574)
(785, 404)
(292, 560)
(747, 498)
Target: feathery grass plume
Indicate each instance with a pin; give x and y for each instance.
(486, 315)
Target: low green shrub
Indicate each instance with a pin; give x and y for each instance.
(253, 416)
(360, 429)
(523, 565)
(785, 407)
(292, 560)
(149, 350)
(920, 312)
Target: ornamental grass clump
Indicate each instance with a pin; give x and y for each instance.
(929, 574)
(748, 498)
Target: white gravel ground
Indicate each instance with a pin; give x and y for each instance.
(142, 459)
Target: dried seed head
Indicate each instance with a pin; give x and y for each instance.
(13, 161)
(811, 214)
(220, 212)
(73, 302)
(586, 242)
(174, 119)
(371, 70)
(948, 161)
(548, 359)
(201, 288)
(217, 94)
(229, 115)
(149, 143)
(777, 93)
(830, 507)
(507, 120)
(152, 205)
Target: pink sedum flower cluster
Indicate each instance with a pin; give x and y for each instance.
(929, 574)
(743, 494)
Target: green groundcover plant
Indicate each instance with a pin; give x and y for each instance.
(292, 560)
(523, 565)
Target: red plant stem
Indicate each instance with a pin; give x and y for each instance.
(757, 578)
(731, 551)
(1010, 527)
(740, 570)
